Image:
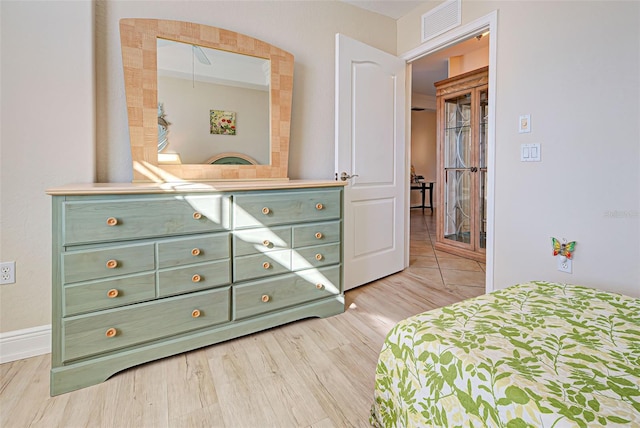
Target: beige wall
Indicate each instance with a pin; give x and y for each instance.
(57, 129)
(423, 148)
(46, 139)
(471, 61)
(578, 77)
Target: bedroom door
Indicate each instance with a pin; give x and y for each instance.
(370, 155)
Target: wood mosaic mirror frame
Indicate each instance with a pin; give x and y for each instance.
(139, 59)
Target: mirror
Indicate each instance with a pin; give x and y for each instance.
(205, 130)
(195, 84)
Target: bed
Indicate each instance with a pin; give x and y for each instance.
(231, 159)
(538, 354)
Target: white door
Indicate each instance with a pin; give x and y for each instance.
(370, 146)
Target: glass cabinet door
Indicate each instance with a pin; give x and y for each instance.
(458, 159)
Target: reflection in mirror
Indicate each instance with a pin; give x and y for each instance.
(163, 129)
(193, 82)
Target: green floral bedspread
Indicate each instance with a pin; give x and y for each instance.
(538, 354)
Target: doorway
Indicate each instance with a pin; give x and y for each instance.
(472, 43)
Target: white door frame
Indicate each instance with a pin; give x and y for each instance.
(490, 23)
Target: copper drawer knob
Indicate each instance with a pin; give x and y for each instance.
(266, 210)
(319, 235)
(195, 252)
(266, 265)
(319, 206)
(319, 286)
(265, 298)
(196, 278)
(113, 293)
(112, 264)
(319, 256)
(112, 221)
(111, 332)
(196, 313)
(266, 243)
(197, 215)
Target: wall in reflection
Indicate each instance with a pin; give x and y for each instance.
(187, 104)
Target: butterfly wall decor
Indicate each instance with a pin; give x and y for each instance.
(563, 249)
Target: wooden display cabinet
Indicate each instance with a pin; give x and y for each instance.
(462, 110)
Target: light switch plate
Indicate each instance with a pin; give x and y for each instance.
(530, 152)
(524, 123)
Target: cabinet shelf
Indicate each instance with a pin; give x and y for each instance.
(457, 128)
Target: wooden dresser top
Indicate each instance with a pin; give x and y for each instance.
(187, 187)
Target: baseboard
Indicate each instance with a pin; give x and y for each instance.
(29, 342)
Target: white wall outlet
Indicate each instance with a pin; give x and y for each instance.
(7, 273)
(564, 264)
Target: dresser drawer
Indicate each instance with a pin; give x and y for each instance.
(203, 248)
(86, 335)
(318, 256)
(261, 265)
(98, 295)
(268, 295)
(104, 221)
(266, 209)
(193, 277)
(255, 241)
(317, 233)
(85, 265)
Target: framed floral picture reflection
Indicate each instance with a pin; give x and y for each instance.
(222, 122)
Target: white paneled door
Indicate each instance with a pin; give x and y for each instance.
(370, 148)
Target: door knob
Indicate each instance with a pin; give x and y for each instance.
(344, 176)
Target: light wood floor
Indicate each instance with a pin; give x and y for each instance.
(312, 373)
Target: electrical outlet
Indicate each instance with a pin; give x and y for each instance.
(7, 273)
(564, 265)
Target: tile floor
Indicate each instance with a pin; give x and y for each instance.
(455, 273)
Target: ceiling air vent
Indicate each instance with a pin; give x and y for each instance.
(440, 19)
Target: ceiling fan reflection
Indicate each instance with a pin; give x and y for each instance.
(199, 53)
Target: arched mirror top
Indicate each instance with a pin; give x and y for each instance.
(139, 39)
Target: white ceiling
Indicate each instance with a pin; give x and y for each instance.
(181, 60)
(391, 8)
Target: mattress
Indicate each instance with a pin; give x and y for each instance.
(537, 354)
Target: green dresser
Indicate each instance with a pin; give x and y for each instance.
(141, 272)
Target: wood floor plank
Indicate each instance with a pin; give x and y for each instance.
(189, 384)
(206, 417)
(15, 380)
(80, 409)
(325, 423)
(242, 400)
(33, 406)
(288, 394)
(310, 363)
(334, 388)
(151, 394)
